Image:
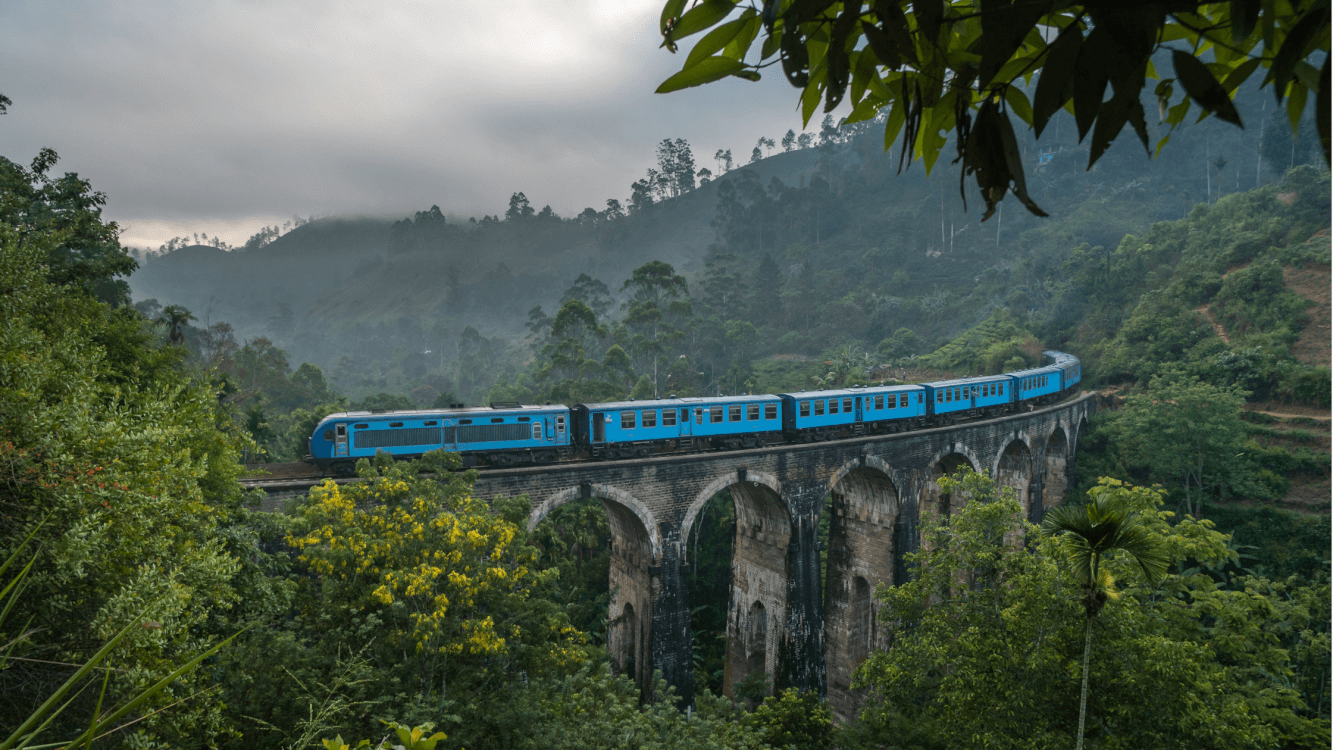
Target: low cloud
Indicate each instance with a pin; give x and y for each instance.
(219, 117)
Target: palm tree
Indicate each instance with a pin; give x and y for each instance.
(1090, 532)
(175, 318)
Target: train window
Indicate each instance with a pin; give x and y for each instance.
(833, 406)
(537, 431)
(361, 426)
(1001, 389)
(879, 402)
(465, 421)
(497, 420)
(432, 423)
(846, 404)
(939, 396)
(734, 413)
(395, 424)
(819, 407)
(903, 400)
(715, 415)
(650, 418)
(770, 411)
(698, 415)
(919, 397)
(752, 411)
(805, 408)
(328, 434)
(668, 417)
(524, 419)
(948, 395)
(958, 394)
(560, 423)
(627, 420)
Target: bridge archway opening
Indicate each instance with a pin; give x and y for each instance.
(934, 500)
(737, 581)
(1055, 474)
(1013, 469)
(604, 551)
(861, 516)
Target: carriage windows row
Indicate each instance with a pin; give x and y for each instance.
(648, 418)
(1034, 382)
(985, 390)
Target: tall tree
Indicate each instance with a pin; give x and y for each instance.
(960, 66)
(789, 140)
(655, 314)
(519, 208)
(1106, 524)
(83, 251)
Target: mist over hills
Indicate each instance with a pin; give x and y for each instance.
(872, 249)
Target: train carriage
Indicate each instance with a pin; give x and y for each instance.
(824, 415)
(499, 435)
(1038, 385)
(637, 428)
(951, 400)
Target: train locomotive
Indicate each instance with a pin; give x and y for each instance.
(512, 434)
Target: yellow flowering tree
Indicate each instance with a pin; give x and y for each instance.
(439, 585)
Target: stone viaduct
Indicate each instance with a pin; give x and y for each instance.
(781, 620)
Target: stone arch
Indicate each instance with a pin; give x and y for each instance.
(933, 499)
(1078, 431)
(610, 496)
(635, 547)
(1055, 469)
(759, 568)
(717, 485)
(1014, 469)
(862, 553)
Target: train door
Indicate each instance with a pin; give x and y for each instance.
(685, 430)
(859, 418)
(560, 429)
(550, 429)
(340, 438)
(599, 428)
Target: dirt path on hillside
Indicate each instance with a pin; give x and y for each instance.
(1217, 327)
(1312, 283)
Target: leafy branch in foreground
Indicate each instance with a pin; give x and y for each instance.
(963, 66)
(45, 714)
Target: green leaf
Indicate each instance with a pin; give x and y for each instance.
(706, 71)
(1056, 75)
(1203, 88)
(714, 41)
(1019, 102)
(1296, 104)
(772, 43)
(1004, 26)
(700, 17)
(1295, 47)
(1091, 74)
(671, 9)
(1241, 72)
(738, 47)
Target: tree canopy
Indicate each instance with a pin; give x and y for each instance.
(965, 66)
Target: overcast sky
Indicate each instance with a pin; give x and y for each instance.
(220, 117)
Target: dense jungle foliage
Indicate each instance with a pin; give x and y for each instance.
(403, 601)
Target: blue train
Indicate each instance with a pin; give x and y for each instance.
(512, 434)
